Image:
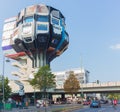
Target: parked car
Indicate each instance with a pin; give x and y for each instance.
(95, 103)
(79, 102)
(103, 101)
(86, 102)
(39, 103)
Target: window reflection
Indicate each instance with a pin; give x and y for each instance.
(28, 19)
(42, 18)
(42, 27)
(55, 21)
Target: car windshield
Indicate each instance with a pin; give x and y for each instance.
(94, 101)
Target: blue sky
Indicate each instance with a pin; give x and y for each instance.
(94, 34)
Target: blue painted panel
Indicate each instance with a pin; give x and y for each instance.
(42, 27)
(28, 19)
(63, 38)
(55, 21)
(42, 18)
(7, 47)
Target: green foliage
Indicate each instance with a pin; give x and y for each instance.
(43, 79)
(7, 89)
(71, 84)
(113, 96)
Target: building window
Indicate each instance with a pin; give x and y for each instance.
(28, 19)
(42, 18)
(55, 21)
(42, 27)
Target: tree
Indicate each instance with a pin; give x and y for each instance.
(43, 79)
(113, 96)
(7, 89)
(71, 84)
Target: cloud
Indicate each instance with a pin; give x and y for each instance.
(115, 47)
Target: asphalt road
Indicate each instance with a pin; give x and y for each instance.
(41, 109)
(104, 108)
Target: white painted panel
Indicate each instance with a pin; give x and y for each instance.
(7, 34)
(27, 29)
(10, 19)
(9, 26)
(6, 42)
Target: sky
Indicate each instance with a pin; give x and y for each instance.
(94, 35)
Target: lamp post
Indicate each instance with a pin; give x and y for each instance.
(34, 97)
(3, 84)
(3, 81)
(82, 94)
(81, 69)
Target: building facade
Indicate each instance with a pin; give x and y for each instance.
(25, 73)
(81, 74)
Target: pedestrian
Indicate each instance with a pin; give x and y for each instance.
(16, 104)
(20, 104)
(114, 103)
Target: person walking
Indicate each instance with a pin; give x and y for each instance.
(114, 103)
(17, 104)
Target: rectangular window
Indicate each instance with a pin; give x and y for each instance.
(28, 19)
(55, 21)
(42, 18)
(42, 27)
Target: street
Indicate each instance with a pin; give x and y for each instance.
(104, 108)
(41, 109)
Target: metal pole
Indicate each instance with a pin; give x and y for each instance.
(34, 96)
(3, 84)
(81, 80)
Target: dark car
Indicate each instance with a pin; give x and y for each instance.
(95, 103)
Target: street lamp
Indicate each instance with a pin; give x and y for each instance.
(82, 81)
(3, 81)
(82, 94)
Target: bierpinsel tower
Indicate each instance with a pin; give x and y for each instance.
(37, 32)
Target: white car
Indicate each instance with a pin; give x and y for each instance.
(39, 103)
